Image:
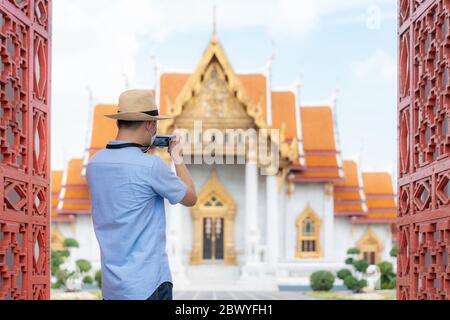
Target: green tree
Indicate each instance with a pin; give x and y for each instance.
(83, 265)
(88, 280)
(361, 265)
(353, 251)
(98, 278)
(355, 285)
(70, 243)
(393, 252)
(388, 277)
(343, 273)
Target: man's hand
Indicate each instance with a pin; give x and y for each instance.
(176, 150)
(176, 153)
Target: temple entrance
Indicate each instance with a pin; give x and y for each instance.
(213, 221)
(213, 231)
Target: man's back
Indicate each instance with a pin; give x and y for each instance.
(127, 190)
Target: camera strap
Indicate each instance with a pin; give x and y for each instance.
(124, 145)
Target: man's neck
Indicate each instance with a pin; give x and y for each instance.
(129, 139)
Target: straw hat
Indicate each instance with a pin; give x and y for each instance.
(137, 105)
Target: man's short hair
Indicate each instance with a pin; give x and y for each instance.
(129, 125)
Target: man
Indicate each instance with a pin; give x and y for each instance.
(127, 188)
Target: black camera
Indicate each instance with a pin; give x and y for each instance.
(162, 141)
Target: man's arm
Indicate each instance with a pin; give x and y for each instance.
(190, 199)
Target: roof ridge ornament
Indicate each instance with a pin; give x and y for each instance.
(214, 19)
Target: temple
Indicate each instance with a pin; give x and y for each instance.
(247, 229)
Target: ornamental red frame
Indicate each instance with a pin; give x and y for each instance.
(25, 41)
(423, 223)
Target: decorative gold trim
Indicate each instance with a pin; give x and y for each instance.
(308, 213)
(193, 86)
(228, 212)
(370, 242)
(214, 53)
(57, 239)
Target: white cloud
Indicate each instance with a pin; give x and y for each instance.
(379, 66)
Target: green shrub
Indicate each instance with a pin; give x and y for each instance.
(343, 273)
(349, 261)
(355, 285)
(361, 265)
(83, 265)
(387, 275)
(98, 278)
(385, 267)
(393, 252)
(70, 243)
(322, 281)
(353, 251)
(56, 259)
(88, 280)
(65, 253)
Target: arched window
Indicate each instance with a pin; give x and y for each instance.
(370, 246)
(308, 239)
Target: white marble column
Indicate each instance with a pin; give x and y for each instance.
(251, 212)
(272, 224)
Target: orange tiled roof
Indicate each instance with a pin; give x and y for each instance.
(103, 129)
(75, 194)
(321, 154)
(56, 189)
(283, 113)
(380, 197)
(348, 193)
(171, 85)
(255, 86)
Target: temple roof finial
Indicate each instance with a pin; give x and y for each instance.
(214, 19)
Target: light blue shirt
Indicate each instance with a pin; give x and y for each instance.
(127, 190)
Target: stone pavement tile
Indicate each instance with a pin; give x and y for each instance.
(240, 295)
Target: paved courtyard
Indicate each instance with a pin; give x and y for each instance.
(239, 295)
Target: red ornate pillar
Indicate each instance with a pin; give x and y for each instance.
(24, 149)
(423, 222)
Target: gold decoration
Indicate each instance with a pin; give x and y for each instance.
(57, 239)
(282, 177)
(290, 189)
(214, 53)
(370, 244)
(329, 189)
(223, 106)
(204, 210)
(308, 230)
(214, 105)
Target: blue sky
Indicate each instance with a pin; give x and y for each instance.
(349, 45)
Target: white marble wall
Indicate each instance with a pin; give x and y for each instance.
(233, 178)
(313, 195)
(348, 235)
(83, 231)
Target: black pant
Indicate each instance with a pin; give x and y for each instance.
(163, 292)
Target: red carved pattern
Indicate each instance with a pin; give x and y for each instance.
(24, 149)
(423, 228)
(14, 93)
(13, 261)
